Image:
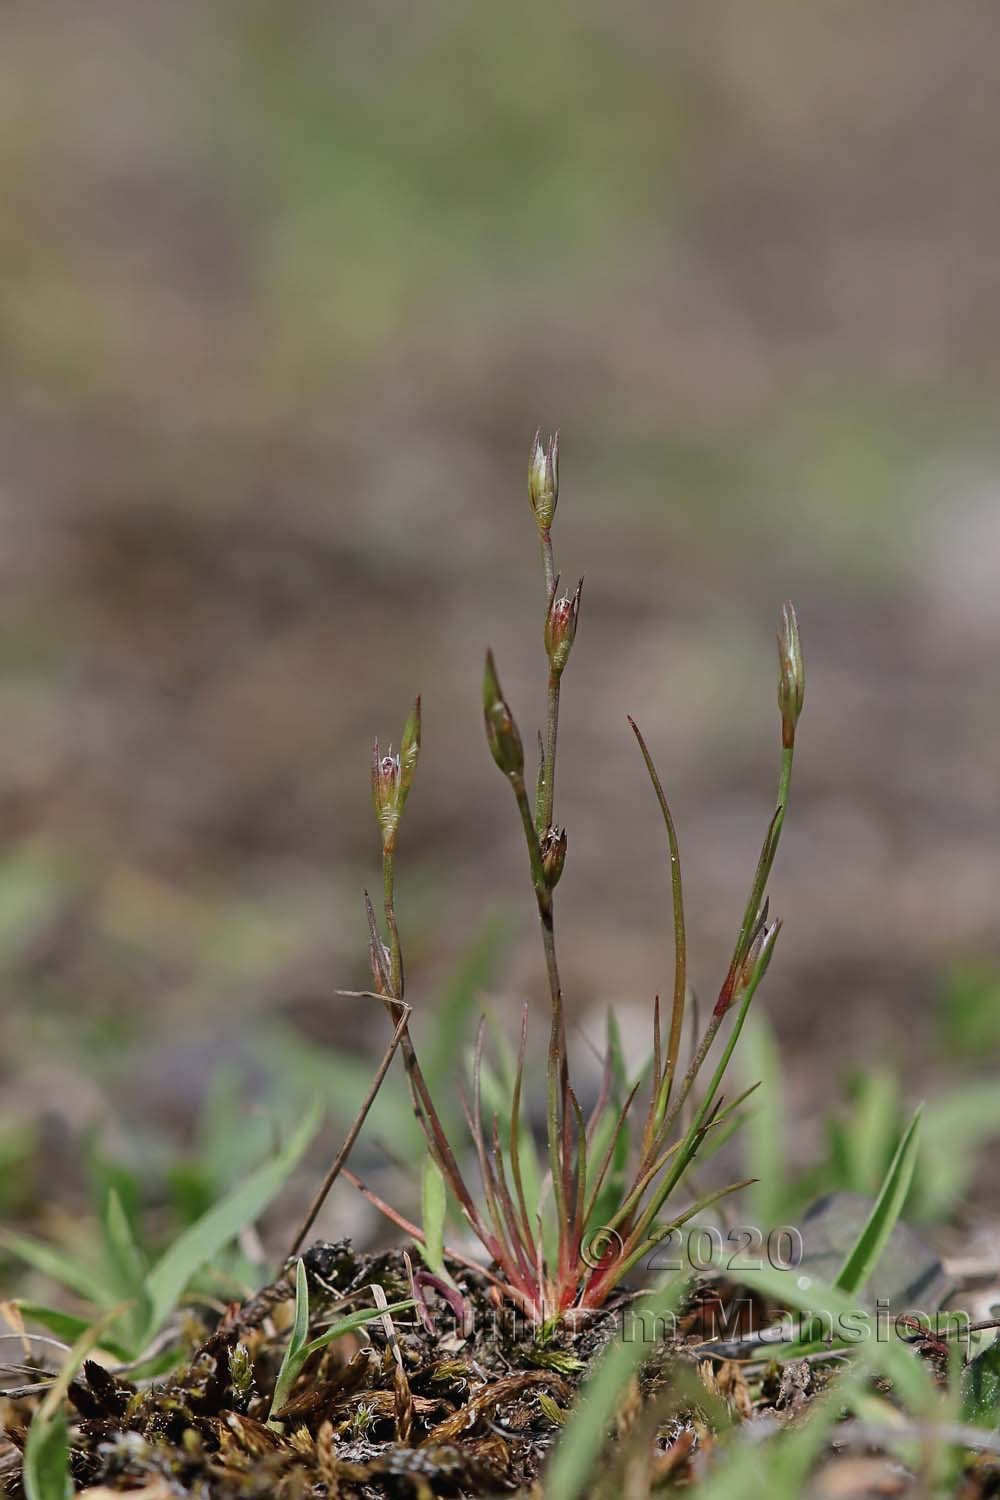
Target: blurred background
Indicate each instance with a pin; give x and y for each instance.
(284, 292)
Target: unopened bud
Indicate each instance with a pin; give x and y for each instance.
(553, 846)
(560, 627)
(754, 964)
(501, 731)
(758, 954)
(409, 752)
(754, 945)
(543, 479)
(392, 777)
(385, 792)
(791, 675)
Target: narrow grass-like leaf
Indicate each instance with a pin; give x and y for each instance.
(955, 1126)
(520, 1159)
(571, 1467)
(765, 1132)
(664, 1084)
(610, 1141)
(865, 1253)
(46, 1452)
(128, 1267)
(633, 1253)
(872, 1129)
(46, 1459)
(59, 1266)
(223, 1222)
(67, 1326)
(353, 1322)
(606, 1192)
(293, 1357)
(434, 1198)
(852, 1325)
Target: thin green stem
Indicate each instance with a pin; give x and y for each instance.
(395, 950)
(557, 1071)
(423, 1104)
(352, 1135)
(545, 799)
(694, 1069)
(551, 737)
(665, 1084)
(548, 562)
(632, 1257)
(538, 880)
(761, 876)
(690, 1139)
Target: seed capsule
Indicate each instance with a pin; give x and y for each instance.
(553, 846)
(543, 479)
(501, 732)
(560, 627)
(392, 777)
(791, 675)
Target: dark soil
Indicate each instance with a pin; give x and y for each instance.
(417, 1405)
(463, 1400)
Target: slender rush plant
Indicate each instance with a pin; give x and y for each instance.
(541, 1240)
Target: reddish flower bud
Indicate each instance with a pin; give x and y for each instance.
(385, 792)
(392, 777)
(553, 846)
(543, 479)
(791, 675)
(501, 732)
(560, 627)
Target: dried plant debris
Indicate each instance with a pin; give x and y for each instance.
(448, 1404)
(425, 1412)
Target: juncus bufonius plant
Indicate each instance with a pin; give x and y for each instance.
(599, 1185)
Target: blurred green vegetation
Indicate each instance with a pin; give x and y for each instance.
(283, 294)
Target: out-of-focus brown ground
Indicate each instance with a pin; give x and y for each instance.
(283, 294)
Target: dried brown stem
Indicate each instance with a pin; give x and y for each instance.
(352, 1135)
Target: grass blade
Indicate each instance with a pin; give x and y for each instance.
(293, 1357)
(794, 1291)
(766, 1124)
(205, 1238)
(66, 1326)
(355, 1321)
(46, 1459)
(46, 1453)
(434, 1198)
(59, 1266)
(864, 1255)
(128, 1266)
(570, 1470)
(664, 1085)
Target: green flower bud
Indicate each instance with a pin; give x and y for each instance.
(543, 479)
(501, 732)
(791, 675)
